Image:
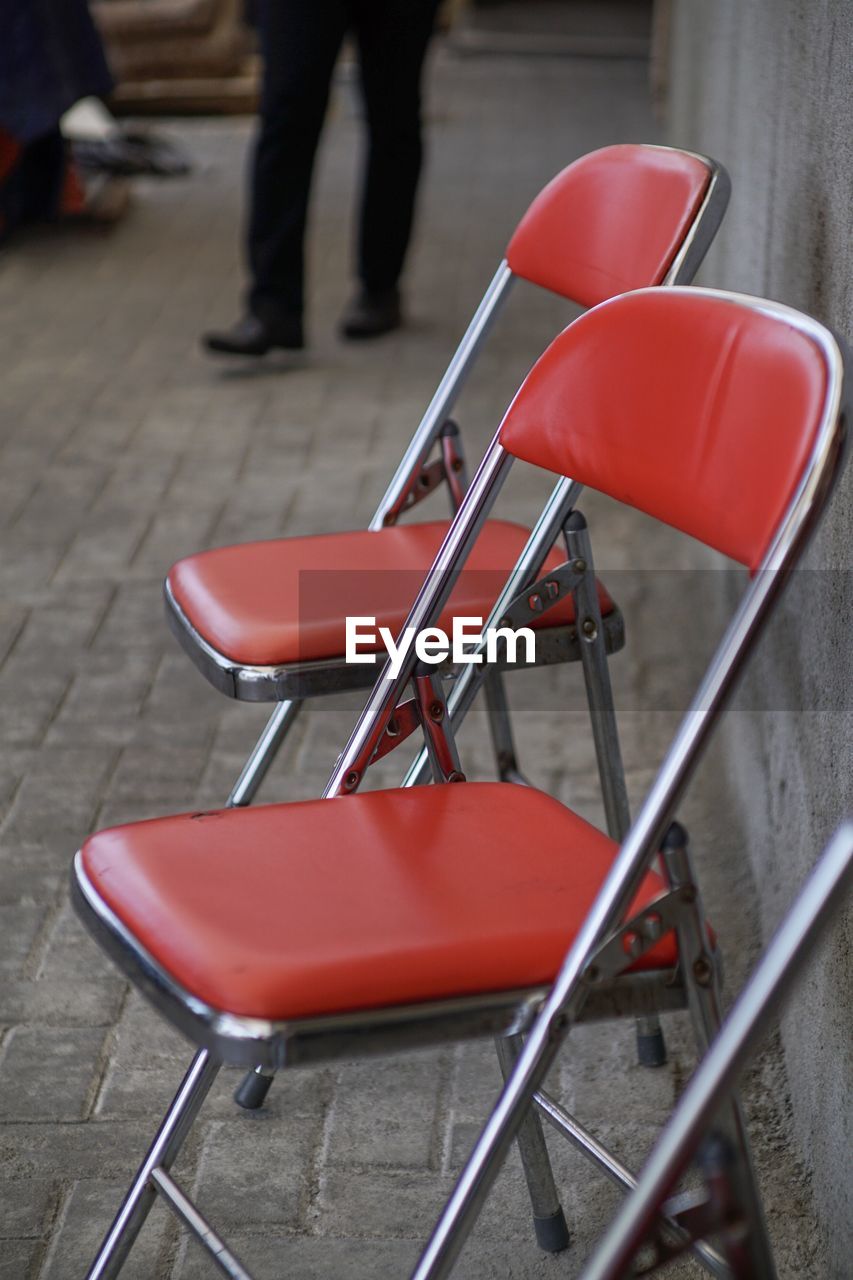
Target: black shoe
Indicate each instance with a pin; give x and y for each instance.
(252, 336)
(367, 315)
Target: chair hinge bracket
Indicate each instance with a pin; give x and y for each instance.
(403, 722)
(638, 935)
(542, 594)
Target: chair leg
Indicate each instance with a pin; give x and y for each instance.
(651, 1048)
(500, 728)
(252, 1090)
(263, 753)
(549, 1221)
(255, 1086)
(703, 991)
(177, 1122)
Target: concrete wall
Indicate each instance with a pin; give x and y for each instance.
(767, 87)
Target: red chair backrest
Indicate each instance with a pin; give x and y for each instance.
(612, 221)
(697, 408)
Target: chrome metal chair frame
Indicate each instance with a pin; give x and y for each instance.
(638, 1221)
(415, 478)
(578, 975)
(605, 944)
(290, 686)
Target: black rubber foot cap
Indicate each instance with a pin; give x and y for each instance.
(552, 1234)
(651, 1050)
(252, 1090)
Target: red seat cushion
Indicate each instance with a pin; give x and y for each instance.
(372, 900)
(269, 603)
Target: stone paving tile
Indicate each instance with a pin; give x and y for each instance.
(77, 1233)
(373, 1122)
(309, 1259)
(236, 1189)
(20, 1258)
(121, 449)
(19, 927)
(46, 1073)
(27, 1204)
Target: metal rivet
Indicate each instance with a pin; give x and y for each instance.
(351, 780)
(653, 926)
(436, 710)
(703, 971)
(589, 628)
(579, 566)
(632, 943)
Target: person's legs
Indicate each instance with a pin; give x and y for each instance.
(392, 38)
(300, 44)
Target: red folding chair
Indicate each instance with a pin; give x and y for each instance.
(266, 620)
(289, 934)
(617, 219)
(715, 1208)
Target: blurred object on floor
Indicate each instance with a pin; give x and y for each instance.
(169, 56)
(50, 57)
(101, 145)
(129, 154)
(568, 28)
(88, 120)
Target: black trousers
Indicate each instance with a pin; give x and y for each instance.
(300, 42)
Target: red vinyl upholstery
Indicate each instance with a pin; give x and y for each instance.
(371, 900)
(612, 221)
(267, 603)
(700, 411)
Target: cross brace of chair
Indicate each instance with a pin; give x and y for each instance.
(534, 600)
(681, 1225)
(427, 476)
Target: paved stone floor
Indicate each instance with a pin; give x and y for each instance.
(122, 449)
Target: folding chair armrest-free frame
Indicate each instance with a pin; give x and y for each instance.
(638, 1221)
(266, 621)
(397, 917)
(620, 218)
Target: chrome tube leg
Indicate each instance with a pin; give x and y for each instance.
(497, 706)
(810, 913)
(703, 992)
(126, 1226)
(263, 753)
(255, 1086)
(500, 728)
(549, 1221)
(651, 1049)
(444, 398)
